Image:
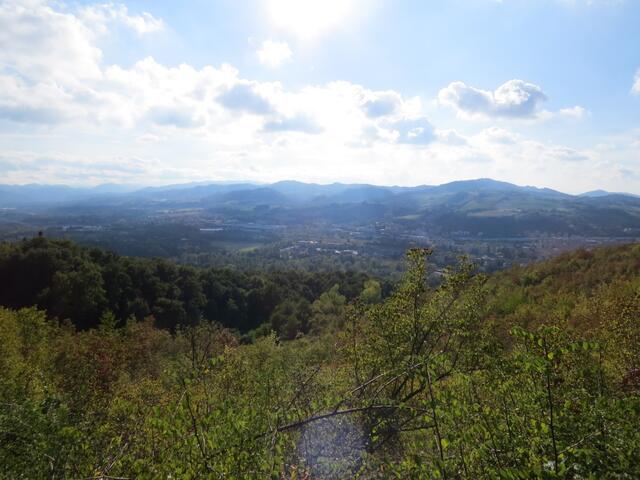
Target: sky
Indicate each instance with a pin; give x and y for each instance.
(402, 92)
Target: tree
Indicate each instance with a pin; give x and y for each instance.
(328, 311)
(291, 317)
(372, 292)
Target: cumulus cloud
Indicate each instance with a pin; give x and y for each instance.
(513, 99)
(273, 54)
(499, 135)
(298, 123)
(636, 85)
(244, 98)
(499, 142)
(155, 108)
(27, 114)
(133, 122)
(177, 116)
(451, 137)
(390, 118)
(38, 40)
(99, 16)
(44, 103)
(149, 96)
(567, 154)
(380, 104)
(414, 131)
(20, 167)
(576, 112)
(41, 42)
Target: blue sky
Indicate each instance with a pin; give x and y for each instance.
(540, 92)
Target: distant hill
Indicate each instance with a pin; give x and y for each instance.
(31, 194)
(14, 195)
(471, 208)
(250, 196)
(604, 193)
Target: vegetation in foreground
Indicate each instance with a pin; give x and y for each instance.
(533, 373)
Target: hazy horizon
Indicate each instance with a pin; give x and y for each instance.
(130, 187)
(408, 93)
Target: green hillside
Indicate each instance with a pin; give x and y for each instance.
(582, 271)
(531, 373)
(83, 285)
(578, 290)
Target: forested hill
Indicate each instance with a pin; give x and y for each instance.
(580, 289)
(531, 374)
(576, 272)
(483, 207)
(85, 284)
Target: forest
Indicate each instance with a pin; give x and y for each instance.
(84, 285)
(122, 368)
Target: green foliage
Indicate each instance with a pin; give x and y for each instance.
(563, 289)
(82, 285)
(328, 311)
(372, 292)
(290, 318)
(426, 383)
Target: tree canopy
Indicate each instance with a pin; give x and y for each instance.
(516, 376)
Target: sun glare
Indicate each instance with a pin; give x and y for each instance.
(309, 18)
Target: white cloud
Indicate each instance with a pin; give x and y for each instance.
(243, 97)
(500, 143)
(576, 112)
(380, 104)
(636, 85)
(28, 167)
(451, 137)
(40, 103)
(497, 135)
(513, 99)
(212, 104)
(100, 15)
(177, 116)
(177, 123)
(41, 42)
(273, 54)
(413, 131)
(297, 123)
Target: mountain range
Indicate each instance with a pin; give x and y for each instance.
(280, 192)
(478, 207)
